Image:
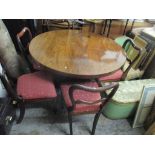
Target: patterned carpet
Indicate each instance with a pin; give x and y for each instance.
(40, 121)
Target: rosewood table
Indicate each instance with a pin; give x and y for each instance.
(77, 54)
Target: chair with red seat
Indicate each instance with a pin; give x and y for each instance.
(23, 39)
(123, 72)
(31, 87)
(85, 98)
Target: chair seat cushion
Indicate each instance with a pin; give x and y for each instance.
(130, 91)
(35, 86)
(82, 95)
(112, 77)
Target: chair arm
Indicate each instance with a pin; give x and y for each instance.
(74, 87)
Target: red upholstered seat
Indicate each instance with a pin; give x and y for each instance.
(82, 95)
(35, 86)
(112, 77)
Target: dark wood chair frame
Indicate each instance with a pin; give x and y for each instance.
(113, 86)
(25, 50)
(131, 63)
(105, 25)
(17, 100)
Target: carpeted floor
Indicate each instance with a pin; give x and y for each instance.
(40, 121)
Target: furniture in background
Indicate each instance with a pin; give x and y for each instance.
(148, 34)
(23, 39)
(84, 98)
(92, 23)
(110, 24)
(30, 88)
(151, 130)
(52, 24)
(144, 106)
(151, 117)
(75, 54)
(122, 73)
(127, 21)
(79, 24)
(7, 115)
(125, 101)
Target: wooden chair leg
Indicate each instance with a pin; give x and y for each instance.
(105, 25)
(22, 113)
(96, 118)
(109, 27)
(70, 123)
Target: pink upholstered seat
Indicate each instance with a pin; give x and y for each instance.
(82, 95)
(35, 86)
(113, 77)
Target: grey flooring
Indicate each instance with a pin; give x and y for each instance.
(41, 121)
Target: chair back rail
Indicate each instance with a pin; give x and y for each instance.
(22, 34)
(114, 86)
(25, 49)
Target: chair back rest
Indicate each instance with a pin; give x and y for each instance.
(23, 39)
(132, 52)
(104, 100)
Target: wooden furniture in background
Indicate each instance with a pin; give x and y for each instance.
(77, 54)
(151, 130)
(48, 24)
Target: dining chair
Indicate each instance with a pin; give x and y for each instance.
(30, 88)
(23, 39)
(122, 73)
(84, 98)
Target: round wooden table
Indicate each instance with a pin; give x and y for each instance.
(77, 54)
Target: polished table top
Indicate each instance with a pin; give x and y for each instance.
(75, 53)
